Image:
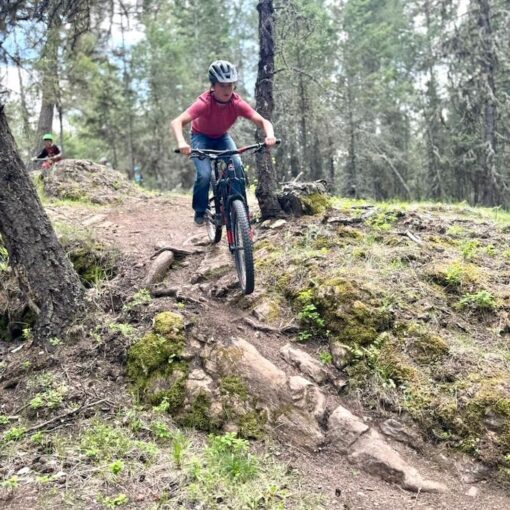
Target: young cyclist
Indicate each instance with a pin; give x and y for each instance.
(211, 116)
(50, 151)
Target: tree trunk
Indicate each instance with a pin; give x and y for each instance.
(49, 82)
(266, 186)
(351, 181)
(493, 184)
(46, 276)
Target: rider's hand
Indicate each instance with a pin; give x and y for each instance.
(185, 149)
(270, 141)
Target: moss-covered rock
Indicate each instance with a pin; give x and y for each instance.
(198, 415)
(315, 203)
(353, 315)
(155, 367)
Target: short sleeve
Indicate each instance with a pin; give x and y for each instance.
(244, 109)
(197, 109)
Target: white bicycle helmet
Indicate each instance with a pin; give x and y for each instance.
(223, 72)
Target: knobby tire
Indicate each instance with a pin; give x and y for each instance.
(243, 251)
(213, 229)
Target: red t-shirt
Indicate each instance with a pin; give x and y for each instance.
(214, 119)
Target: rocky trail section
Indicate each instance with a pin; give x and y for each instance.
(298, 399)
(245, 375)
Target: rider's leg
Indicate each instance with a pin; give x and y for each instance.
(202, 174)
(226, 142)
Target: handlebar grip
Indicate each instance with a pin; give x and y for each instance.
(177, 151)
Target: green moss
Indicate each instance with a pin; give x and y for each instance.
(315, 203)
(167, 387)
(348, 232)
(199, 415)
(422, 345)
(251, 425)
(170, 325)
(93, 262)
(154, 366)
(456, 275)
(233, 385)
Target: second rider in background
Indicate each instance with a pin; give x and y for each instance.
(211, 116)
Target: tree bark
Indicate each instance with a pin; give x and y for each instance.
(266, 186)
(49, 82)
(493, 185)
(46, 276)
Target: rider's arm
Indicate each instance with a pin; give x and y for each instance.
(58, 155)
(43, 154)
(265, 125)
(177, 124)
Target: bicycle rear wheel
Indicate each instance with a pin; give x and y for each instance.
(213, 215)
(243, 246)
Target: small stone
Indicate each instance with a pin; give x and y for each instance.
(472, 492)
(24, 471)
(278, 224)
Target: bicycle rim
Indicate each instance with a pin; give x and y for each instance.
(243, 247)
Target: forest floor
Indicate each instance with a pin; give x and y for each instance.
(75, 438)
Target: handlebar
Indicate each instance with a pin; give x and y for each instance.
(215, 154)
(39, 159)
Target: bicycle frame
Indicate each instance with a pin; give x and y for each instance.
(224, 182)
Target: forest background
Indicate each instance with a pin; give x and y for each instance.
(382, 98)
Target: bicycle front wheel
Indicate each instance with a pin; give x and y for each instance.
(243, 246)
(213, 216)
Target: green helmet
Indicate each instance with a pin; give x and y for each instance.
(48, 136)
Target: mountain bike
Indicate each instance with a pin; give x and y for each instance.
(47, 162)
(227, 206)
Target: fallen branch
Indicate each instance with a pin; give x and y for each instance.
(413, 237)
(175, 292)
(178, 252)
(64, 416)
(290, 328)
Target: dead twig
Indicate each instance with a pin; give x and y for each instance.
(413, 237)
(65, 416)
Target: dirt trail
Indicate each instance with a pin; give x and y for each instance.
(138, 225)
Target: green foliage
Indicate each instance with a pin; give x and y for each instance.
(126, 330)
(14, 434)
(230, 456)
(309, 317)
(482, 300)
(468, 249)
(325, 357)
(142, 297)
(10, 483)
(115, 501)
(51, 398)
(179, 447)
(161, 431)
(116, 467)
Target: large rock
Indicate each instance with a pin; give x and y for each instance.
(376, 457)
(305, 363)
(344, 429)
(292, 406)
